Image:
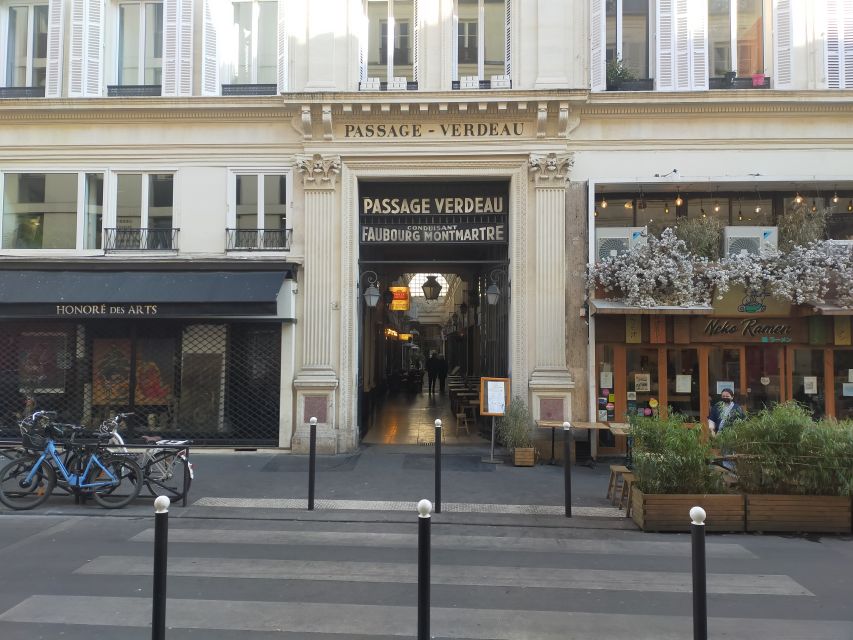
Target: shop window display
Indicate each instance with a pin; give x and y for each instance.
(682, 369)
(808, 380)
(844, 384)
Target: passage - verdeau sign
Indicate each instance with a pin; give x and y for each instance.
(427, 212)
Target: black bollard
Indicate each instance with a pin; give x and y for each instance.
(567, 466)
(161, 544)
(424, 509)
(312, 460)
(700, 601)
(438, 466)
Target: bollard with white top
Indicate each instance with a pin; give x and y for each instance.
(312, 458)
(161, 543)
(438, 466)
(700, 602)
(424, 511)
(567, 466)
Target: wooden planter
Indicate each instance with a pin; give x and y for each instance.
(523, 457)
(671, 512)
(813, 514)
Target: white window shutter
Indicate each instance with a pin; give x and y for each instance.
(508, 38)
(783, 50)
(698, 16)
(597, 54)
(682, 56)
(665, 77)
(56, 13)
(416, 42)
(85, 77)
(834, 44)
(170, 47)
(94, 78)
(362, 47)
(454, 50)
(185, 48)
(210, 62)
(283, 45)
(847, 25)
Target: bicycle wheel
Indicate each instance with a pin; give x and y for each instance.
(166, 474)
(16, 492)
(125, 488)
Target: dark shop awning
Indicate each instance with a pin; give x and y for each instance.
(146, 294)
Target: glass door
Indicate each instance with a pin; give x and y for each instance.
(843, 384)
(764, 377)
(808, 380)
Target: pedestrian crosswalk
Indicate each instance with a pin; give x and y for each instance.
(357, 580)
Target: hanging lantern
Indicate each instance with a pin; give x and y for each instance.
(431, 288)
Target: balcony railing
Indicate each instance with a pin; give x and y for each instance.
(258, 239)
(21, 92)
(140, 240)
(134, 90)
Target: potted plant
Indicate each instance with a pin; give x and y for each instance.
(797, 473)
(672, 465)
(617, 73)
(515, 430)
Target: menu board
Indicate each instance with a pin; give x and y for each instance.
(494, 396)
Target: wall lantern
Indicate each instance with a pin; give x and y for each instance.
(431, 288)
(371, 294)
(493, 292)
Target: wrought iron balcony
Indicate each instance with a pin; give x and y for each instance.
(140, 240)
(258, 239)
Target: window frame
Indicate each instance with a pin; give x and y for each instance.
(255, 37)
(261, 174)
(481, 39)
(389, 26)
(620, 36)
(110, 219)
(80, 213)
(5, 25)
(140, 72)
(733, 47)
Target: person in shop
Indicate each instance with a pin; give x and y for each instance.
(432, 371)
(441, 372)
(724, 412)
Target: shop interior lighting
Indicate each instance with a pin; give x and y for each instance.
(850, 206)
(814, 206)
(603, 199)
(835, 195)
(739, 212)
(678, 199)
(798, 198)
(758, 203)
(665, 208)
(628, 204)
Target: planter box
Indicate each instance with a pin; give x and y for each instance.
(671, 512)
(524, 457)
(813, 514)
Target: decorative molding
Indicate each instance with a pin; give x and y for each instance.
(348, 432)
(319, 171)
(550, 169)
(541, 119)
(327, 121)
(307, 131)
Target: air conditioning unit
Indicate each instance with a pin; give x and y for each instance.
(750, 240)
(371, 84)
(501, 82)
(612, 241)
(469, 82)
(398, 84)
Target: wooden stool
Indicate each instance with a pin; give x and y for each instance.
(616, 471)
(463, 420)
(625, 496)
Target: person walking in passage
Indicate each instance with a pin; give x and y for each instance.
(432, 371)
(441, 372)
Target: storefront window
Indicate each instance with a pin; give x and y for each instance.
(763, 386)
(844, 384)
(682, 373)
(723, 372)
(643, 389)
(606, 397)
(808, 380)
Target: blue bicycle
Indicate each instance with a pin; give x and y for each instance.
(113, 480)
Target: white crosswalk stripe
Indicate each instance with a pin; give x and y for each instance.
(305, 557)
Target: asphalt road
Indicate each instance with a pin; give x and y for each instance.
(250, 575)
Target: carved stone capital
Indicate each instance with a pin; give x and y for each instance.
(550, 169)
(319, 171)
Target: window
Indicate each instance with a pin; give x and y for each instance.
(736, 37)
(627, 34)
(260, 212)
(144, 212)
(839, 52)
(26, 46)
(390, 42)
(482, 43)
(254, 26)
(140, 48)
(43, 211)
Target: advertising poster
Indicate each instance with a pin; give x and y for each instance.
(683, 383)
(111, 371)
(642, 382)
(810, 385)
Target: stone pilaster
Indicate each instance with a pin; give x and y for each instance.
(550, 381)
(317, 379)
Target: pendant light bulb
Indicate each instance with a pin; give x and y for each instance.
(758, 208)
(603, 203)
(850, 206)
(678, 199)
(798, 198)
(835, 196)
(666, 208)
(716, 206)
(814, 206)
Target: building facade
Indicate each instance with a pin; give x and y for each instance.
(187, 230)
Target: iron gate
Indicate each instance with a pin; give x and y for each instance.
(214, 382)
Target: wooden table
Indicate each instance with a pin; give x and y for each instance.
(616, 428)
(553, 425)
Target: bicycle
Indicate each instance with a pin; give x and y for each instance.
(113, 480)
(165, 471)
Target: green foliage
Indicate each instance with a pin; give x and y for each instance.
(671, 458)
(701, 235)
(515, 427)
(782, 450)
(618, 72)
(800, 226)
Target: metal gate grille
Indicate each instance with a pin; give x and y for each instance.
(216, 383)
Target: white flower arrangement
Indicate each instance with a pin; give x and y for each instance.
(664, 273)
